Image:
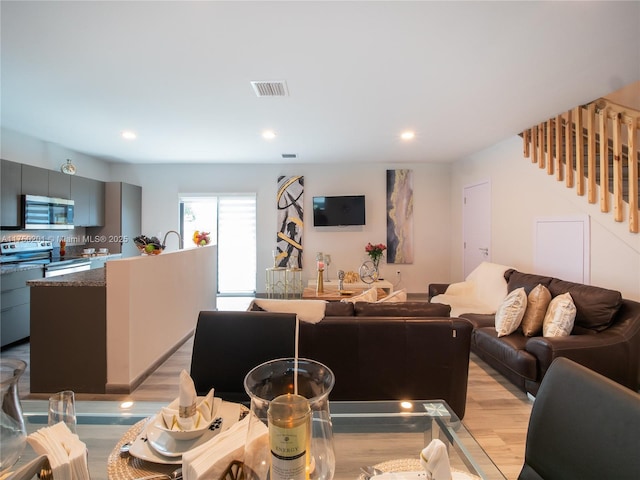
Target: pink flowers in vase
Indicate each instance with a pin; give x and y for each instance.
(375, 251)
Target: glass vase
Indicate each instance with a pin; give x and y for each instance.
(13, 434)
(267, 385)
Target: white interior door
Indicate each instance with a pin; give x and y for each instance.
(476, 225)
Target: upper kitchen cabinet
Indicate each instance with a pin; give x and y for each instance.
(11, 175)
(122, 219)
(59, 184)
(35, 181)
(88, 197)
(48, 183)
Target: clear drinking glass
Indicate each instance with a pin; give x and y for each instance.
(13, 434)
(62, 408)
(307, 378)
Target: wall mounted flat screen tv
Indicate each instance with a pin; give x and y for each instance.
(338, 211)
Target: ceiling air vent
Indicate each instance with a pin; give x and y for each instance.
(270, 89)
(289, 155)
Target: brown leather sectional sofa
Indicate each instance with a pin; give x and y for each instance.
(409, 350)
(605, 336)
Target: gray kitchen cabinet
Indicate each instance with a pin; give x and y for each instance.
(88, 195)
(15, 297)
(10, 209)
(48, 183)
(122, 219)
(59, 185)
(35, 180)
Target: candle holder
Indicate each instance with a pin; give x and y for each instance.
(320, 281)
(290, 380)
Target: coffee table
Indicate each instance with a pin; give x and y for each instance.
(365, 433)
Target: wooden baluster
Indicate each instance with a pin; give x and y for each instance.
(618, 213)
(568, 143)
(633, 174)
(534, 146)
(579, 151)
(525, 143)
(549, 147)
(559, 169)
(541, 145)
(604, 159)
(591, 153)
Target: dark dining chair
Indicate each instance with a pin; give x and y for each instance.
(249, 340)
(583, 426)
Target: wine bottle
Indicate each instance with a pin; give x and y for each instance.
(289, 418)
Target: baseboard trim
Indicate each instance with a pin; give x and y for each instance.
(119, 388)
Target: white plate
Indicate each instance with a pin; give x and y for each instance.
(145, 448)
(141, 449)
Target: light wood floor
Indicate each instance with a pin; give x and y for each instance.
(497, 413)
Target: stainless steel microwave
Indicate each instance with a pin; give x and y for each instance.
(46, 213)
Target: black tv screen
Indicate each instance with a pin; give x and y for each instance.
(338, 211)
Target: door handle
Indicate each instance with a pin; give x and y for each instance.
(485, 250)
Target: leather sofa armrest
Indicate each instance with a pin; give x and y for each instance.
(601, 352)
(437, 289)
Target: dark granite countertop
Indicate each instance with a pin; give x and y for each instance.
(88, 278)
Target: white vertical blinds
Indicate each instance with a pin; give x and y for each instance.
(237, 244)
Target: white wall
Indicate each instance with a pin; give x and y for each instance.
(20, 148)
(163, 184)
(521, 192)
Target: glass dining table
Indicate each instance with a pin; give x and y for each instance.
(386, 434)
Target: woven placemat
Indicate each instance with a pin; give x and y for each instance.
(413, 465)
(128, 467)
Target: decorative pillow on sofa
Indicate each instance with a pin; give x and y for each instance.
(370, 295)
(537, 304)
(560, 316)
(397, 296)
(510, 312)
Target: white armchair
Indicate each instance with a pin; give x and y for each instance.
(482, 291)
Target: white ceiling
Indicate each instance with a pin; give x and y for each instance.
(463, 75)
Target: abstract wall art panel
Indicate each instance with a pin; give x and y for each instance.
(290, 221)
(399, 216)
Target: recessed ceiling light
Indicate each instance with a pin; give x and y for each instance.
(129, 135)
(408, 135)
(268, 134)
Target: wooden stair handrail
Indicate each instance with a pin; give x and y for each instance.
(552, 144)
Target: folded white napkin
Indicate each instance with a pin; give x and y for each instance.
(212, 458)
(310, 311)
(67, 454)
(435, 461)
(187, 412)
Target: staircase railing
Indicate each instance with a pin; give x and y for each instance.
(593, 145)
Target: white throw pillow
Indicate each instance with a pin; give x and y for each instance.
(370, 295)
(397, 296)
(510, 312)
(560, 316)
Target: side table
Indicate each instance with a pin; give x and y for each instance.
(293, 281)
(276, 281)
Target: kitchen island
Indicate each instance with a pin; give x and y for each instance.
(106, 330)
